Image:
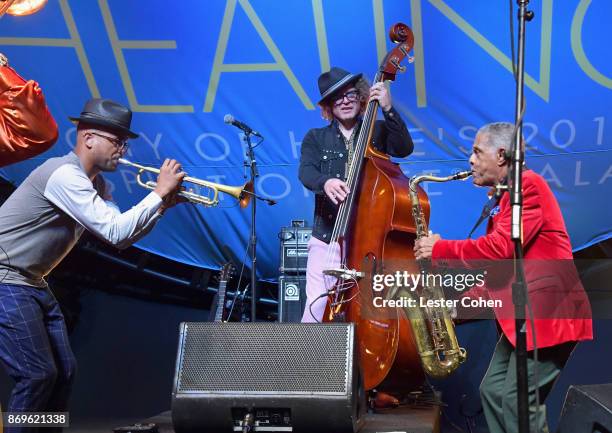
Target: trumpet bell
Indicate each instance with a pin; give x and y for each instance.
(246, 194)
(241, 193)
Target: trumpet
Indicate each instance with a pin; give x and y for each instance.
(241, 193)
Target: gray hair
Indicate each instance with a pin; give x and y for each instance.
(498, 135)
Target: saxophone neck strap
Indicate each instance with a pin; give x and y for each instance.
(487, 211)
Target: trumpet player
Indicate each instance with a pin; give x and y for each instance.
(39, 224)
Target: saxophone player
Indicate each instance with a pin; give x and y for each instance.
(545, 238)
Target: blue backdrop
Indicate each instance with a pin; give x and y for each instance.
(182, 66)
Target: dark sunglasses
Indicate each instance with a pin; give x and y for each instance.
(121, 144)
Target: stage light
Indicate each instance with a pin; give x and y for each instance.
(21, 7)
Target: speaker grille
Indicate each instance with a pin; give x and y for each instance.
(264, 357)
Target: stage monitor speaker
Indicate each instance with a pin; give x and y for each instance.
(272, 377)
(587, 409)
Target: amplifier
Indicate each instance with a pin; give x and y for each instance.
(294, 249)
(291, 297)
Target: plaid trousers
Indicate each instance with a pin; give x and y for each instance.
(35, 350)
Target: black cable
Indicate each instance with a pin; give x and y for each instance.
(236, 293)
(259, 142)
(315, 300)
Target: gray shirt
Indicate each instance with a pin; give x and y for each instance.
(45, 216)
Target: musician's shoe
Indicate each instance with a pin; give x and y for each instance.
(382, 400)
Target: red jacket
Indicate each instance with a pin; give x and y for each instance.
(561, 308)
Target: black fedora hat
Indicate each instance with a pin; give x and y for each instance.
(108, 114)
(333, 80)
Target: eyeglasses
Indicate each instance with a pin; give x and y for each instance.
(351, 96)
(121, 144)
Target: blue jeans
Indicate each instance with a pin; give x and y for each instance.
(34, 348)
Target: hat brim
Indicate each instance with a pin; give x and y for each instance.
(351, 78)
(106, 123)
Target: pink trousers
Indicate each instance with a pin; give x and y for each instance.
(320, 257)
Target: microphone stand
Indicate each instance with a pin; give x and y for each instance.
(519, 287)
(253, 237)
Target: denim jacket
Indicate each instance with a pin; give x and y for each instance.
(324, 156)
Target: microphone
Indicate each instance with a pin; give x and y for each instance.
(229, 119)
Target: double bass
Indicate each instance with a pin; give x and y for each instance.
(375, 227)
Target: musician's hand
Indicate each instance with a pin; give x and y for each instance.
(172, 200)
(169, 179)
(380, 92)
(336, 190)
(424, 246)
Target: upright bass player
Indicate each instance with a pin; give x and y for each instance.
(326, 155)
